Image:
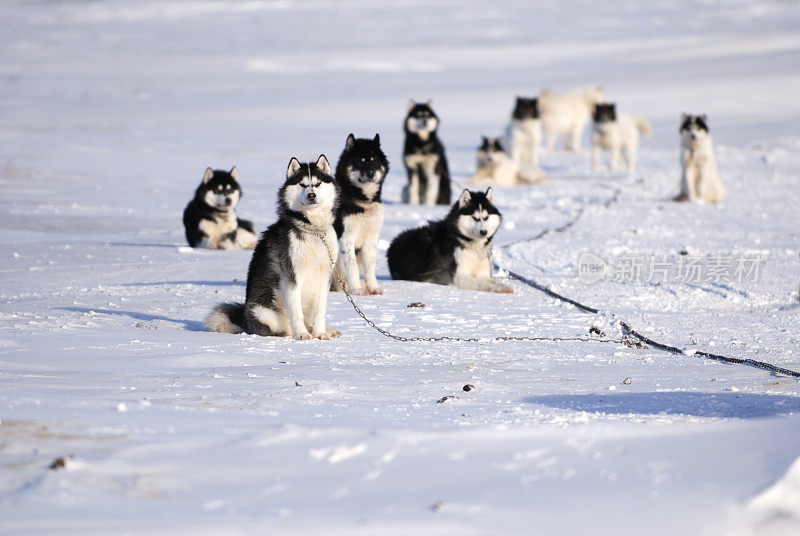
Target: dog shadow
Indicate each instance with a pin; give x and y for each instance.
(199, 283)
(145, 245)
(715, 405)
(188, 325)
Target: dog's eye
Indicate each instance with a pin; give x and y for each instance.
(363, 159)
(372, 159)
(476, 219)
(318, 185)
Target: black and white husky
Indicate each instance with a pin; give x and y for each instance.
(423, 155)
(524, 132)
(360, 173)
(495, 167)
(454, 251)
(699, 177)
(617, 133)
(290, 272)
(210, 218)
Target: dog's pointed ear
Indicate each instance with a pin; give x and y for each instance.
(294, 167)
(484, 140)
(704, 117)
(411, 104)
(351, 140)
(463, 201)
(377, 139)
(323, 165)
(208, 174)
(490, 195)
(235, 173)
(429, 103)
(684, 117)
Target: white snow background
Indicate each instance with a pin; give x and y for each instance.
(109, 113)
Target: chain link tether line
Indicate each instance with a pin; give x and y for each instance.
(343, 286)
(644, 340)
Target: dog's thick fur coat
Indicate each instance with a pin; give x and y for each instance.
(699, 176)
(424, 158)
(453, 251)
(210, 218)
(360, 173)
(290, 272)
(495, 167)
(566, 115)
(618, 134)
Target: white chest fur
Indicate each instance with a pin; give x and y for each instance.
(364, 228)
(427, 161)
(219, 226)
(473, 261)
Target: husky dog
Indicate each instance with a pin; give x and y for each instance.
(524, 133)
(566, 115)
(290, 272)
(210, 218)
(617, 133)
(454, 251)
(699, 179)
(423, 155)
(359, 175)
(495, 167)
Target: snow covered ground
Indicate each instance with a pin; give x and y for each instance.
(110, 111)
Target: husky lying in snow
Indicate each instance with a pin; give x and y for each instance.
(210, 218)
(454, 251)
(617, 133)
(699, 179)
(566, 115)
(495, 167)
(359, 174)
(290, 272)
(424, 158)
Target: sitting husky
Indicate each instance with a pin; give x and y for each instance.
(495, 167)
(210, 218)
(699, 179)
(290, 272)
(566, 115)
(617, 133)
(423, 155)
(359, 175)
(524, 133)
(454, 251)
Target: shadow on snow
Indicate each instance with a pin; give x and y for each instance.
(189, 325)
(720, 405)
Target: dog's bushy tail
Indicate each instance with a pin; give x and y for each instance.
(226, 318)
(644, 127)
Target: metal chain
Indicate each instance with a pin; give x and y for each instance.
(385, 333)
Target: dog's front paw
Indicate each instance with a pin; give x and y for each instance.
(374, 291)
(323, 336)
(303, 336)
(333, 333)
(503, 289)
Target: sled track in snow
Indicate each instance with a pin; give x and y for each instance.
(629, 331)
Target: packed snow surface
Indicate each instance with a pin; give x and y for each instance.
(110, 112)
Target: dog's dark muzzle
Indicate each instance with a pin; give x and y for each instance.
(366, 176)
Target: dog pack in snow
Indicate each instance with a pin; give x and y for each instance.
(329, 220)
